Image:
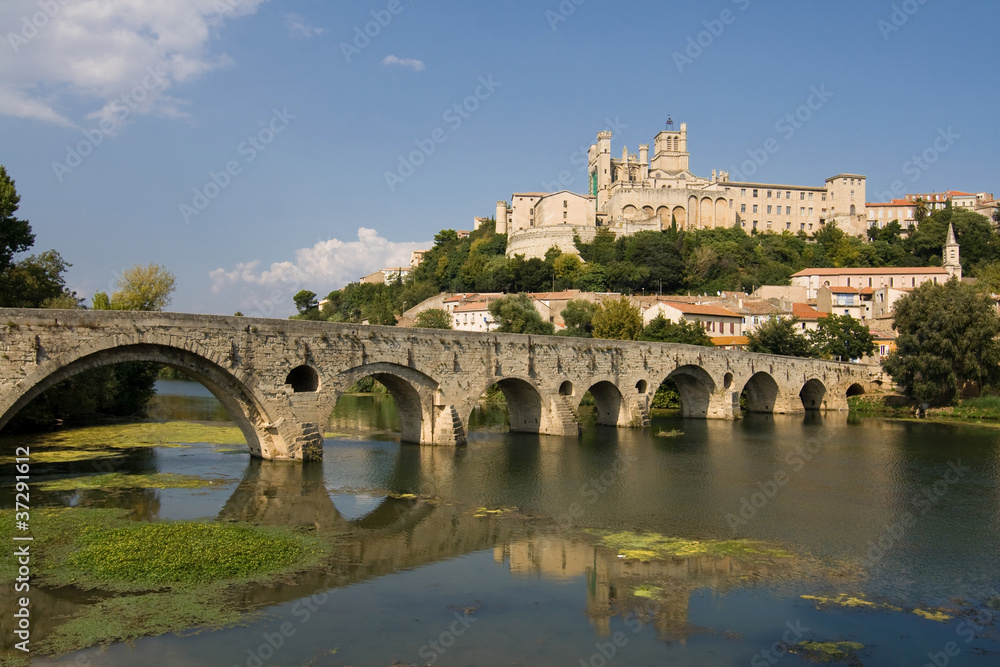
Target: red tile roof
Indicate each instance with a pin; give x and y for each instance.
(804, 311)
(719, 341)
(694, 309)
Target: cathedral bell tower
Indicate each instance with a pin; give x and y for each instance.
(951, 254)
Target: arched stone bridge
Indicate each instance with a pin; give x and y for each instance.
(280, 379)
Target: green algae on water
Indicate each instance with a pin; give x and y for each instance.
(826, 651)
(653, 546)
(112, 481)
(102, 441)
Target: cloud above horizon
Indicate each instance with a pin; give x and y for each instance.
(321, 268)
(412, 63)
(108, 55)
(300, 28)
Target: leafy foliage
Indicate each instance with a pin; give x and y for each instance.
(663, 330)
(143, 287)
(434, 318)
(517, 314)
(947, 344)
(841, 337)
(578, 315)
(779, 335)
(617, 319)
(15, 234)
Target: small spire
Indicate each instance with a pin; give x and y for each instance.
(951, 235)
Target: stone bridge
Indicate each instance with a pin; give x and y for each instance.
(280, 379)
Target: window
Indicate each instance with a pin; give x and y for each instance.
(730, 203)
(788, 210)
(913, 282)
(848, 282)
(823, 196)
(802, 210)
(802, 225)
(869, 282)
(755, 193)
(788, 194)
(810, 196)
(755, 208)
(788, 225)
(743, 192)
(743, 208)
(768, 224)
(810, 210)
(565, 203)
(732, 327)
(891, 281)
(852, 195)
(768, 208)
(802, 195)
(755, 224)
(768, 194)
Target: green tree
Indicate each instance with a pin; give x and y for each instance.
(143, 287)
(579, 318)
(617, 319)
(779, 335)
(101, 301)
(841, 337)
(947, 345)
(305, 301)
(517, 314)
(433, 318)
(662, 330)
(919, 210)
(15, 234)
(36, 282)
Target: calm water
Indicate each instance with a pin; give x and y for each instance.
(903, 513)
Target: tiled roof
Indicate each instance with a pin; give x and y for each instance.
(886, 270)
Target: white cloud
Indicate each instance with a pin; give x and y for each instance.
(325, 266)
(299, 28)
(99, 53)
(416, 65)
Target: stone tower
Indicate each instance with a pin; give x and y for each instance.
(951, 254)
(599, 160)
(501, 217)
(670, 151)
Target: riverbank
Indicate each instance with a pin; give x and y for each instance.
(983, 410)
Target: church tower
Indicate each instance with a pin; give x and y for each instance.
(951, 254)
(670, 152)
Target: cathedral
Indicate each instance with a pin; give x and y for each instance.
(641, 192)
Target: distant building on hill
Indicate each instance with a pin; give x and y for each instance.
(654, 191)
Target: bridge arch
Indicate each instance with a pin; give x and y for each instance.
(412, 390)
(524, 403)
(813, 394)
(266, 433)
(696, 387)
(610, 403)
(761, 392)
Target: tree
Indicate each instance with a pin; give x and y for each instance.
(517, 314)
(947, 345)
(434, 318)
(143, 287)
(919, 210)
(617, 319)
(15, 235)
(778, 335)
(662, 330)
(305, 301)
(841, 337)
(579, 317)
(36, 282)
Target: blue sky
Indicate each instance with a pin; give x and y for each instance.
(245, 144)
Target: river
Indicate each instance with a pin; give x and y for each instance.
(482, 555)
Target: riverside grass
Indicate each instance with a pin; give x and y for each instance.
(190, 572)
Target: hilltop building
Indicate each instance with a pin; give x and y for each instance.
(654, 191)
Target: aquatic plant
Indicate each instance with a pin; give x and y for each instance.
(652, 546)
